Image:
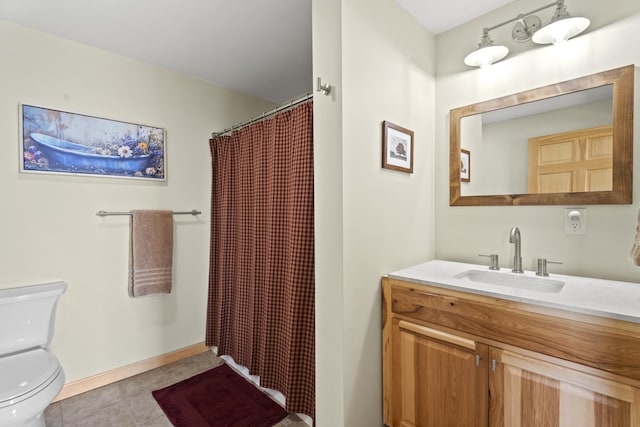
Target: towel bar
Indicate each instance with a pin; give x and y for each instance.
(105, 213)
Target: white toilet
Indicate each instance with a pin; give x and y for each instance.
(30, 376)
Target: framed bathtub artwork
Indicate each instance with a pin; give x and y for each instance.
(465, 165)
(60, 142)
(397, 147)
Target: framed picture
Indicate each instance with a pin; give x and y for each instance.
(465, 166)
(60, 142)
(397, 147)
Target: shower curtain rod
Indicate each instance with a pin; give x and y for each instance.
(283, 107)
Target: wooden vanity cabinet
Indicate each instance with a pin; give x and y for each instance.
(439, 379)
(526, 391)
(456, 359)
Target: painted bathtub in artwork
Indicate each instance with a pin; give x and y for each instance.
(82, 157)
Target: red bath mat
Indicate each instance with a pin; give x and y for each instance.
(218, 398)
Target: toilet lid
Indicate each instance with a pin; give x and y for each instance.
(25, 372)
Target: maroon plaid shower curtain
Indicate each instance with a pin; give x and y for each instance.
(261, 280)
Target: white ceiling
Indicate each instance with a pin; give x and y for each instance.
(259, 47)
(439, 16)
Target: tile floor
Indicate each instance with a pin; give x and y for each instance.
(128, 403)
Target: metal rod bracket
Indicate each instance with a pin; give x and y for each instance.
(325, 88)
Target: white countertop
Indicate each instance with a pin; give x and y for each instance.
(606, 298)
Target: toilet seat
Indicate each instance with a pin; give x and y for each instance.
(25, 374)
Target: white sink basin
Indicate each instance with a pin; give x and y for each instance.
(604, 298)
(512, 280)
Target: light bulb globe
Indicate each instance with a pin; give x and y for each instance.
(486, 56)
(561, 30)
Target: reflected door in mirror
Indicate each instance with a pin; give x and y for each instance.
(576, 161)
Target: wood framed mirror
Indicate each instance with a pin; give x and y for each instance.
(563, 144)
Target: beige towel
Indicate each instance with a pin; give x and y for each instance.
(635, 250)
(151, 253)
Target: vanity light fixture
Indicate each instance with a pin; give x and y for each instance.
(528, 26)
(487, 52)
(562, 27)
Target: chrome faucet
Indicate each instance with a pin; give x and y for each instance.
(514, 237)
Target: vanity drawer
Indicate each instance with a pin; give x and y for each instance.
(601, 343)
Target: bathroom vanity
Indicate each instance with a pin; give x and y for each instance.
(466, 346)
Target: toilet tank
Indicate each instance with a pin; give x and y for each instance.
(27, 316)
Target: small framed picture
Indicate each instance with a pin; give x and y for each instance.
(465, 166)
(397, 147)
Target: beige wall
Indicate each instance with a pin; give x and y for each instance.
(386, 217)
(464, 232)
(328, 205)
(48, 227)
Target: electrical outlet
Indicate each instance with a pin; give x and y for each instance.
(575, 221)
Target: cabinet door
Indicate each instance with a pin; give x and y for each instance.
(527, 392)
(439, 379)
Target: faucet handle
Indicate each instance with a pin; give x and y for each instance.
(494, 261)
(542, 266)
